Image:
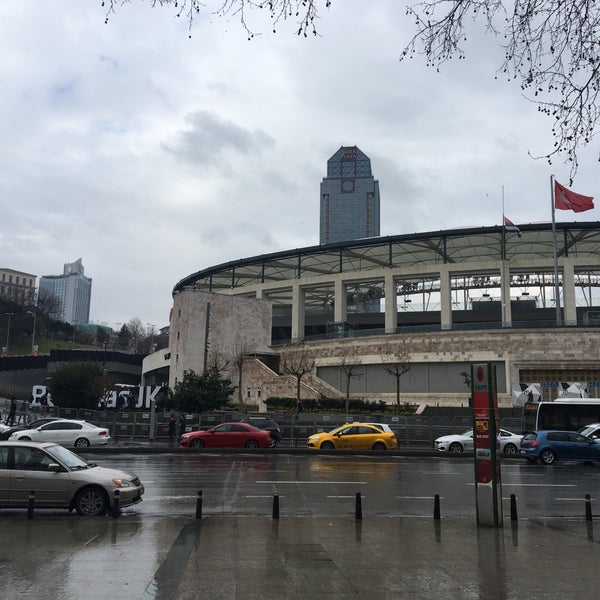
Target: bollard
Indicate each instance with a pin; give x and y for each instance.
(436, 507)
(276, 506)
(199, 505)
(115, 506)
(588, 508)
(358, 508)
(513, 508)
(30, 505)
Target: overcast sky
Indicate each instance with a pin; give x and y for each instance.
(151, 155)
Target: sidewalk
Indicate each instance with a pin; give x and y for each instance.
(247, 558)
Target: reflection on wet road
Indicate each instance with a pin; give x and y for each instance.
(326, 485)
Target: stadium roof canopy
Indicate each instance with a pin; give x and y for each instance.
(467, 245)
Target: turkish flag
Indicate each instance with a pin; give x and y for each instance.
(565, 199)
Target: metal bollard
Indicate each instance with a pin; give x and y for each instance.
(115, 507)
(30, 505)
(588, 508)
(276, 506)
(358, 507)
(436, 507)
(199, 505)
(513, 508)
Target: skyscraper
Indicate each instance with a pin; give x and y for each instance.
(68, 296)
(349, 198)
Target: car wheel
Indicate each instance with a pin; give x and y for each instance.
(510, 449)
(82, 443)
(196, 444)
(251, 444)
(548, 456)
(455, 447)
(273, 443)
(91, 502)
(379, 446)
(327, 446)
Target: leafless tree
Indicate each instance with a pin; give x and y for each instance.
(350, 367)
(304, 12)
(239, 355)
(551, 48)
(217, 361)
(136, 331)
(298, 365)
(48, 303)
(396, 361)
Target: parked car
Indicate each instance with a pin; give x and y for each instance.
(353, 436)
(550, 446)
(8, 431)
(68, 432)
(61, 479)
(509, 442)
(268, 424)
(592, 431)
(227, 435)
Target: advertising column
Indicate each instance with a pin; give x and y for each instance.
(488, 488)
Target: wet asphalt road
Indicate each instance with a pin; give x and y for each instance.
(319, 485)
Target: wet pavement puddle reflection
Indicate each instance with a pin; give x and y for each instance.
(168, 576)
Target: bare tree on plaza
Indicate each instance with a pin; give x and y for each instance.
(298, 365)
(396, 361)
(238, 360)
(350, 368)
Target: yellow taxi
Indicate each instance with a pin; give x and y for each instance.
(354, 436)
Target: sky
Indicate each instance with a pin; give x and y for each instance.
(151, 155)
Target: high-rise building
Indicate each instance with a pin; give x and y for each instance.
(349, 198)
(68, 295)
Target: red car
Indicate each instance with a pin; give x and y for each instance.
(227, 435)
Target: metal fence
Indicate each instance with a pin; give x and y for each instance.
(136, 425)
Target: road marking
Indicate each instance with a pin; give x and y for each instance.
(572, 499)
(438, 472)
(348, 497)
(535, 484)
(277, 481)
(417, 497)
(269, 496)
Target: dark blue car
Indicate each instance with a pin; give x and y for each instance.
(550, 446)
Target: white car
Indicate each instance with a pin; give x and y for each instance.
(66, 432)
(592, 431)
(509, 442)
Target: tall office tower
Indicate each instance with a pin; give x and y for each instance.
(68, 295)
(349, 198)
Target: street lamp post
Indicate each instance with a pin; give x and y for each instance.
(9, 315)
(33, 332)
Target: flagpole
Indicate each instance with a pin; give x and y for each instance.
(503, 282)
(556, 286)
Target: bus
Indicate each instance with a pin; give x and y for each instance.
(568, 414)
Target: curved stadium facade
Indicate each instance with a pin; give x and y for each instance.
(446, 298)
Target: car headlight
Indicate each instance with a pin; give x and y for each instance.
(123, 483)
(314, 438)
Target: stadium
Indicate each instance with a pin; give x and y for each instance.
(438, 300)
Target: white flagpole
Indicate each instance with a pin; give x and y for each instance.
(556, 286)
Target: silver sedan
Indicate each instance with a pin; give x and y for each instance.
(67, 432)
(61, 479)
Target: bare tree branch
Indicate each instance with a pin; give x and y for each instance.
(551, 47)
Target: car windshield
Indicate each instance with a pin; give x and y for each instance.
(467, 433)
(68, 458)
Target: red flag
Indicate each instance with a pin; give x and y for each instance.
(565, 199)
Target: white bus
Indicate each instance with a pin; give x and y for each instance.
(568, 414)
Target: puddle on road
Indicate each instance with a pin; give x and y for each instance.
(168, 576)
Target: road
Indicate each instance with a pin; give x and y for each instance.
(326, 485)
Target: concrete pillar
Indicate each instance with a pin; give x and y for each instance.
(340, 300)
(298, 316)
(445, 298)
(568, 284)
(391, 304)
